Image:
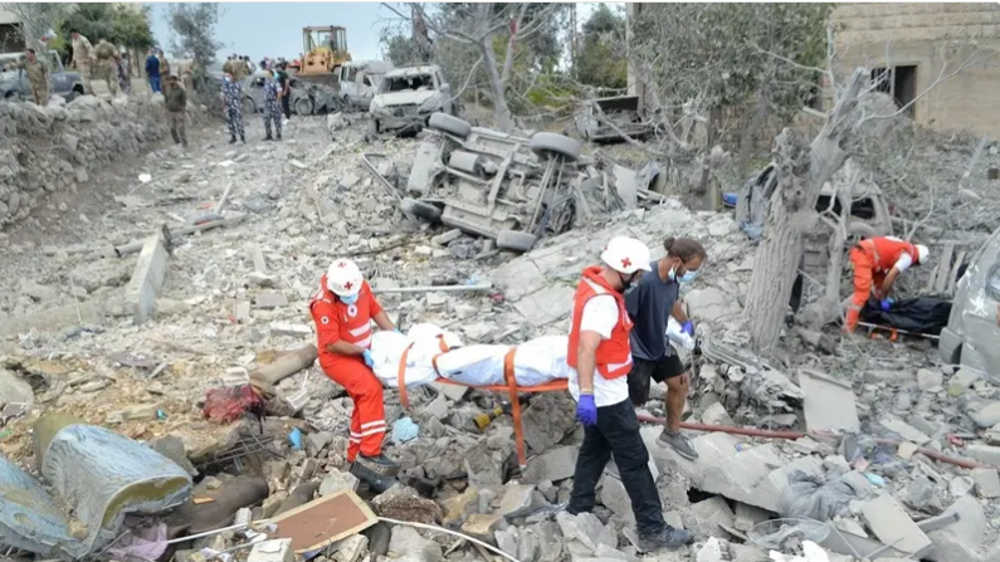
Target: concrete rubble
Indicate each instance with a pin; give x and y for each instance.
(134, 340)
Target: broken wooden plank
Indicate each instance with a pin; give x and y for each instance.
(943, 268)
(323, 521)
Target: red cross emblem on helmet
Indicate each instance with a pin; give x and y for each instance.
(342, 265)
(348, 285)
(626, 262)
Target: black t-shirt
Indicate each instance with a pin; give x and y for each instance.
(650, 304)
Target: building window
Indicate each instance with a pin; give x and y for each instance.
(10, 38)
(900, 83)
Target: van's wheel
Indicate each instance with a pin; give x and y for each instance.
(515, 241)
(450, 124)
(547, 144)
(304, 106)
(428, 212)
(249, 106)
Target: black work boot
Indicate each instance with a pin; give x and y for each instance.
(378, 472)
(669, 538)
(243, 139)
(268, 137)
(279, 136)
(232, 139)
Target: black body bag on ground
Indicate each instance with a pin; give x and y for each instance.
(922, 315)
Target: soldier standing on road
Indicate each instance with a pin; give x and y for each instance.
(272, 111)
(175, 98)
(38, 77)
(107, 59)
(82, 58)
(232, 97)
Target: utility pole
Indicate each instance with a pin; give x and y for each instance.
(572, 35)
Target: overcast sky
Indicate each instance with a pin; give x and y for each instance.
(275, 28)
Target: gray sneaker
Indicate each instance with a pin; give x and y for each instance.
(669, 538)
(680, 443)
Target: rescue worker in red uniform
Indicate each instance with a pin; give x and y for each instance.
(877, 262)
(600, 351)
(343, 310)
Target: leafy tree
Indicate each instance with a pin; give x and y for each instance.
(400, 50)
(601, 59)
(194, 31)
(130, 27)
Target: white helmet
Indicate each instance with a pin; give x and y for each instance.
(344, 278)
(923, 254)
(626, 255)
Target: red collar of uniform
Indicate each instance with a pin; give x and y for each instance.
(594, 273)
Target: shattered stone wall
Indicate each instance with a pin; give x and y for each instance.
(58, 147)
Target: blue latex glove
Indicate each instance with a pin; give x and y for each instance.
(688, 328)
(397, 330)
(886, 304)
(368, 358)
(586, 410)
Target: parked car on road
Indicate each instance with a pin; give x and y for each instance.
(512, 189)
(14, 83)
(306, 98)
(973, 331)
(407, 97)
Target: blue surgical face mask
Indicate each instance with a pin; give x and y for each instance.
(349, 300)
(688, 276)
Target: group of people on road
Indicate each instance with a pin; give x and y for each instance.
(103, 61)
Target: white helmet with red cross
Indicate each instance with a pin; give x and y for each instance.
(344, 278)
(626, 255)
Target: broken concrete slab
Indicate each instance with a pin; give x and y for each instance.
(270, 300)
(986, 454)
(272, 551)
(711, 304)
(987, 482)
(963, 541)
(905, 430)
(961, 381)
(749, 515)
(406, 543)
(483, 526)
(405, 504)
(336, 481)
(586, 529)
(147, 279)
(546, 306)
(553, 465)
(550, 417)
(516, 500)
(15, 390)
(828, 403)
(988, 416)
(891, 524)
(710, 517)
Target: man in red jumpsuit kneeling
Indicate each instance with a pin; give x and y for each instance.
(343, 310)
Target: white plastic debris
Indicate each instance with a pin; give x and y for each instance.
(812, 553)
(145, 178)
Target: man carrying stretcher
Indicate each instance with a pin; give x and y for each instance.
(600, 350)
(343, 309)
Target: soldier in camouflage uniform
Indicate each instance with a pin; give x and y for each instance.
(83, 58)
(107, 59)
(272, 109)
(38, 77)
(232, 96)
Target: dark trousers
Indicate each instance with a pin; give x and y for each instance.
(617, 432)
(286, 106)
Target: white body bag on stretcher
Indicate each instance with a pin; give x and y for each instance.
(536, 362)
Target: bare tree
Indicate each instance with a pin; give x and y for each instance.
(801, 172)
(480, 26)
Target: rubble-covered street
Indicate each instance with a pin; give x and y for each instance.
(139, 304)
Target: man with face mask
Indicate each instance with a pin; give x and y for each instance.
(343, 309)
(650, 304)
(599, 351)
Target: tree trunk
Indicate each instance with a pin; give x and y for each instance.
(801, 175)
(505, 121)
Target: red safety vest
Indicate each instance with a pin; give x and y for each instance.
(885, 251)
(352, 321)
(614, 356)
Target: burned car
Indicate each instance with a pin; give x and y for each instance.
(622, 111)
(407, 97)
(512, 189)
(14, 83)
(306, 98)
(359, 81)
(973, 329)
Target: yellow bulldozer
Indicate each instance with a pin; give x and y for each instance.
(324, 50)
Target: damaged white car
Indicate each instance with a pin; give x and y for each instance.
(407, 97)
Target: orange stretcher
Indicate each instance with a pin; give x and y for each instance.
(511, 387)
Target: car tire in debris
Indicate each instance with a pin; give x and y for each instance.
(516, 241)
(304, 106)
(420, 209)
(450, 124)
(546, 144)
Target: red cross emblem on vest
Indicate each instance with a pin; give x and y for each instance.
(626, 262)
